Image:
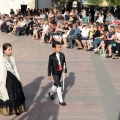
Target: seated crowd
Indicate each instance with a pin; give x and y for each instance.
(71, 28)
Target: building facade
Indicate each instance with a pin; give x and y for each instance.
(6, 5)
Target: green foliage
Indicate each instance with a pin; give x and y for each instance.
(95, 2)
(114, 2)
(64, 1)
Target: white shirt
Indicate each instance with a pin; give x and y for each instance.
(64, 14)
(100, 19)
(1, 22)
(118, 35)
(42, 16)
(96, 12)
(45, 28)
(83, 14)
(9, 66)
(85, 32)
(58, 57)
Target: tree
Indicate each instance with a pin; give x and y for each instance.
(95, 2)
(60, 3)
(114, 2)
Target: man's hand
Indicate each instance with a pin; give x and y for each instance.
(49, 77)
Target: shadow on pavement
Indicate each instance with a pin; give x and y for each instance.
(31, 90)
(42, 107)
(119, 116)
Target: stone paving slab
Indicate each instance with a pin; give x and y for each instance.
(92, 85)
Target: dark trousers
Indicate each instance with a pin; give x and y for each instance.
(57, 79)
(47, 37)
(70, 40)
(118, 48)
(30, 32)
(3, 26)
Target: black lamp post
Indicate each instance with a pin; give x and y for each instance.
(36, 4)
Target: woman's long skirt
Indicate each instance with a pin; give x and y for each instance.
(16, 102)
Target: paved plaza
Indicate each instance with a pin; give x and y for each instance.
(92, 85)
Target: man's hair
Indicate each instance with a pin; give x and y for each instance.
(55, 43)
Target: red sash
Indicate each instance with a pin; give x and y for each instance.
(59, 67)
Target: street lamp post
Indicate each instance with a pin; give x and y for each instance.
(36, 4)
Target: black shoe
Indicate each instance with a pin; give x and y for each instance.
(70, 47)
(63, 103)
(109, 56)
(47, 42)
(18, 114)
(91, 49)
(51, 96)
(79, 48)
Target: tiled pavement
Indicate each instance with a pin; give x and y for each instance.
(92, 85)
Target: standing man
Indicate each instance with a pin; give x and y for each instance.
(56, 67)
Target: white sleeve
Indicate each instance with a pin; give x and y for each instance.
(46, 28)
(15, 68)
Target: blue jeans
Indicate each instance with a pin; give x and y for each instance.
(70, 40)
(96, 42)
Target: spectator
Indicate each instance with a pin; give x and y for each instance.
(83, 13)
(90, 40)
(117, 40)
(87, 18)
(12, 12)
(67, 16)
(110, 18)
(51, 15)
(42, 15)
(85, 36)
(73, 37)
(1, 21)
(59, 16)
(108, 43)
(68, 31)
(100, 18)
(30, 26)
(98, 40)
(104, 34)
(45, 29)
(50, 31)
(96, 14)
(36, 30)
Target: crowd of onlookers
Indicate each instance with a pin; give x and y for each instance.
(89, 29)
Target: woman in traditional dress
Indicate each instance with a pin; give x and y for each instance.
(12, 100)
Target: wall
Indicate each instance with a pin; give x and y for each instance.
(6, 5)
(44, 4)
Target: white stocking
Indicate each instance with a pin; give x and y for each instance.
(53, 89)
(59, 92)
